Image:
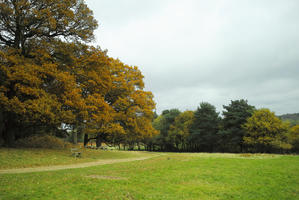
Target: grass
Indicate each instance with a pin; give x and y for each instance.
(20, 158)
(171, 176)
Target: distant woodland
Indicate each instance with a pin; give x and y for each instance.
(240, 128)
(292, 118)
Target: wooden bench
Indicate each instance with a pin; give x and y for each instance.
(76, 153)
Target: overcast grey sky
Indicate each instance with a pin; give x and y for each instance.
(193, 51)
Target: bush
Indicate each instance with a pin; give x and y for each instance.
(42, 141)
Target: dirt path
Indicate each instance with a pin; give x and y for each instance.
(72, 166)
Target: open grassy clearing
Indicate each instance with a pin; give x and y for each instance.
(172, 176)
(19, 158)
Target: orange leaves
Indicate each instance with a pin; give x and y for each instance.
(76, 85)
(52, 23)
(133, 106)
(26, 90)
(48, 82)
(15, 105)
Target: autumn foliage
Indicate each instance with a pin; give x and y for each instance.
(51, 81)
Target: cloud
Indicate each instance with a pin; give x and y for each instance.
(216, 51)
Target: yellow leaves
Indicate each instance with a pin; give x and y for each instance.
(68, 14)
(52, 23)
(295, 130)
(29, 91)
(15, 105)
(134, 106)
(264, 128)
(293, 136)
(72, 98)
(78, 85)
(3, 89)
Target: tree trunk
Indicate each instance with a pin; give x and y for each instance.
(99, 140)
(9, 132)
(9, 137)
(86, 140)
(1, 129)
(74, 137)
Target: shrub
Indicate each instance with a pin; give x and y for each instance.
(42, 141)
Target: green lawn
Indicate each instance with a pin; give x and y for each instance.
(19, 158)
(170, 176)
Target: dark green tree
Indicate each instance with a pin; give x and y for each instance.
(234, 116)
(163, 123)
(204, 128)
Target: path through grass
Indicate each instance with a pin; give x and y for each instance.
(22, 158)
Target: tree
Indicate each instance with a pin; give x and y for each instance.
(205, 127)
(38, 91)
(162, 124)
(264, 129)
(50, 79)
(292, 118)
(25, 23)
(234, 116)
(180, 129)
(28, 94)
(293, 138)
(133, 106)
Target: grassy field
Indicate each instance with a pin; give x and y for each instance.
(20, 158)
(169, 176)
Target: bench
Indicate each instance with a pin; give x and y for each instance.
(76, 153)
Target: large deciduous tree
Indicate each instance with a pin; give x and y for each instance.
(24, 23)
(34, 94)
(38, 92)
(49, 78)
(264, 130)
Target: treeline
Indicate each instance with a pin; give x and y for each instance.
(241, 128)
(53, 82)
(292, 118)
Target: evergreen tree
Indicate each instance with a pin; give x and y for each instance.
(234, 116)
(204, 128)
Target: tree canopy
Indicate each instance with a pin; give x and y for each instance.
(240, 128)
(53, 82)
(205, 127)
(26, 23)
(263, 130)
(234, 116)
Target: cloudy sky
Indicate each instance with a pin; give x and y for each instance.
(215, 51)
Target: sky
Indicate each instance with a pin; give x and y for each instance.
(193, 51)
